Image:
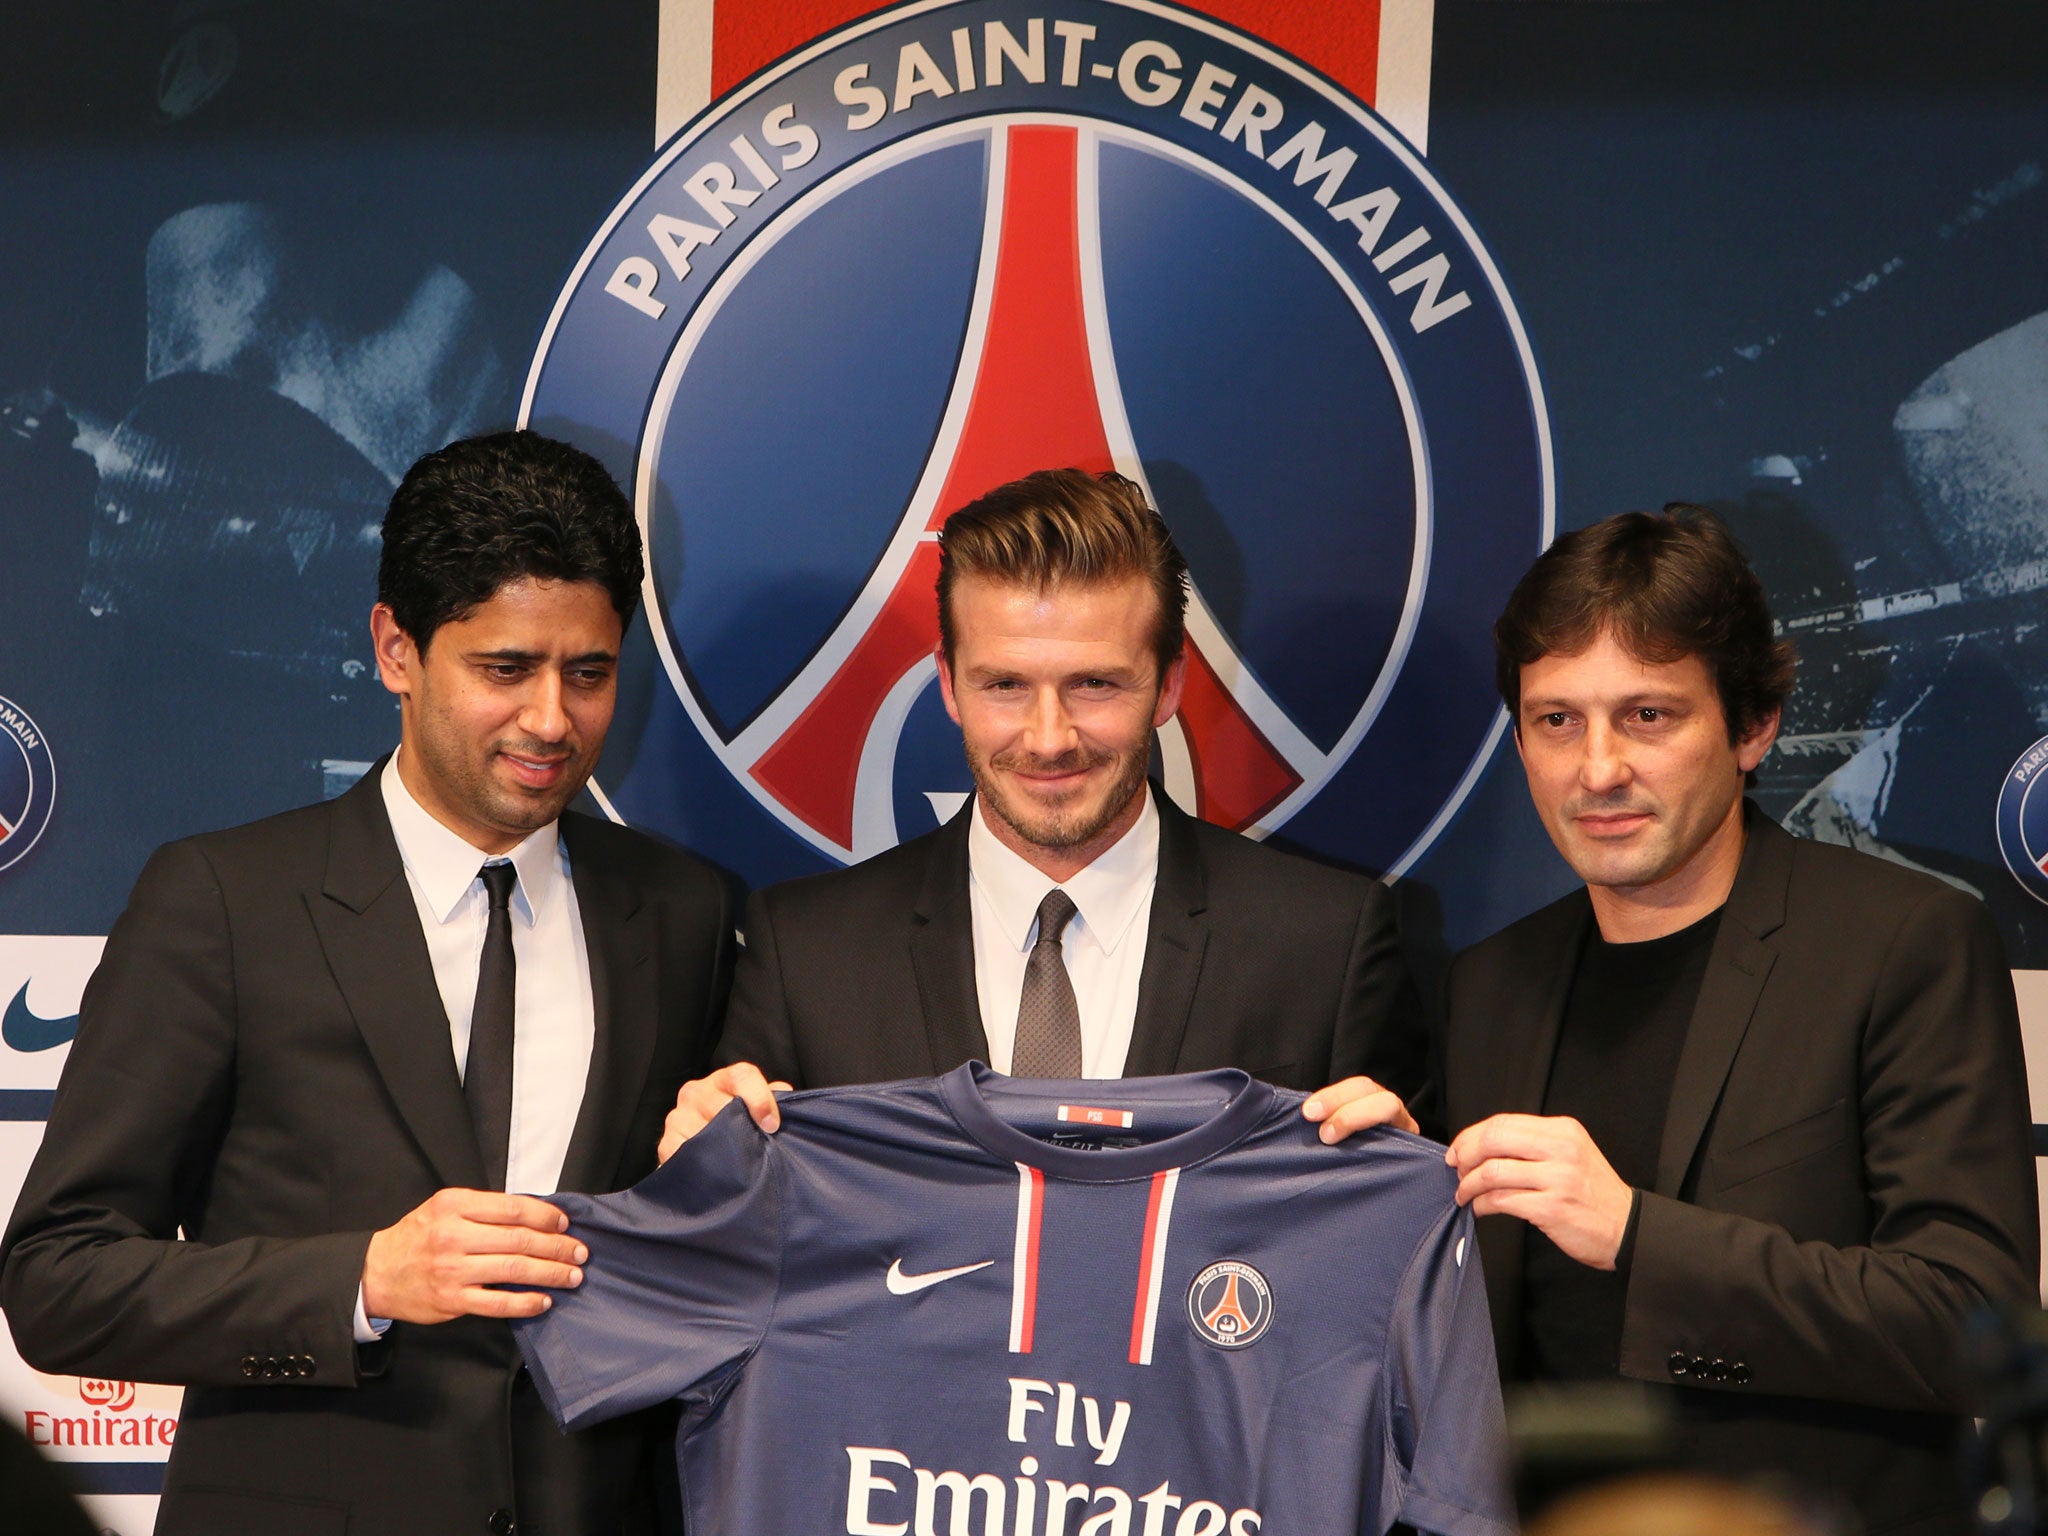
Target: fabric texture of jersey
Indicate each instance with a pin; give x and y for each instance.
(1148, 1307)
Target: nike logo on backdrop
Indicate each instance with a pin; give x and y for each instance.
(25, 1030)
(901, 1284)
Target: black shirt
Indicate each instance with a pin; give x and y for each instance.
(1624, 1025)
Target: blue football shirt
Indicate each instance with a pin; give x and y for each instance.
(1011, 1307)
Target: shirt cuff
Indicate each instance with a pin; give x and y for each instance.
(370, 1329)
(1624, 1256)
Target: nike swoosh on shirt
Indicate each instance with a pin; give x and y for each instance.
(901, 1284)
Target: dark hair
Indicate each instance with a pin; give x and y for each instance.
(1065, 525)
(469, 518)
(1665, 587)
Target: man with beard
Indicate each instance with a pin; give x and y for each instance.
(328, 1059)
(1070, 921)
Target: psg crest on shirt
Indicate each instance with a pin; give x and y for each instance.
(1230, 1304)
(953, 243)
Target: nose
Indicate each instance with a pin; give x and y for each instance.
(1604, 768)
(543, 717)
(1049, 729)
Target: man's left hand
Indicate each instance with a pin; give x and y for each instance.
(1545, 1170)
(1353, 1105)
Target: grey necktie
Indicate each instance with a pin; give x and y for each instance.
(487, 1075)
(1048, 1019)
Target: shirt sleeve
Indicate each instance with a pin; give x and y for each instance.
(679, 1286)
(1447, 1431)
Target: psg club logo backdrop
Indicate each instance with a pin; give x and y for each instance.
(2023, 821)
(28, 783)
(954, 243)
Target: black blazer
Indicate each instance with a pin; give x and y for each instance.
(1255, 959)
(1846, 1171)
(263, 1062)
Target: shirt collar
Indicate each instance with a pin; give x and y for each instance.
(1108, 894)
(445, 864)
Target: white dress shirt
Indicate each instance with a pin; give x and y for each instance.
(1104, 942)
(554, 1021)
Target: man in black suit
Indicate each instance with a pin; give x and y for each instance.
(1746, 1116)
(1168, 945)
(321, 1049)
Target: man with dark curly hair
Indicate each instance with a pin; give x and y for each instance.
(1746, 1116)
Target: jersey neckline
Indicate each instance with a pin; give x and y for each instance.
(1247, 1102)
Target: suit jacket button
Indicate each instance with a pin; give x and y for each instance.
(250, 1365)
(1717, 1369)
(1739, 1374)
(1699, 1366)
(305, 1365)
(270, 1367)
(1679, 1362)
(501, 1523)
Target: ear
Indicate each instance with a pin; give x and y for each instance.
(398, 659)
(1750, 750)
(1170, 689)
(946, 681)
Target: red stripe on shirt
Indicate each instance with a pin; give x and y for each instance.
(1145, 1270)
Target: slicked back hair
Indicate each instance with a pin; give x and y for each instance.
(1666, 586)
(485, 511)
(1062, 526)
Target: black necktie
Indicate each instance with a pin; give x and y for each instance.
(1048, 1040)
(487, 1077)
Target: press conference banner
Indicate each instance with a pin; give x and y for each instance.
(1372, 300)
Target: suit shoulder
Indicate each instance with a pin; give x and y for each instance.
(1831, 884)
(628, 850)
(1229, 856)
(276, 844)
(890, 877)
(1540, 932)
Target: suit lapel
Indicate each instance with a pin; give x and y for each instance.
(369, 929)
(1736, 971)
(942, 951)
(1514, 1082)
(1175, 944)
(1524, 1077)
(617, 934)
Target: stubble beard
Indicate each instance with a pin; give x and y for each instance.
(1651, 856)
(482, 796)
(1067, 825)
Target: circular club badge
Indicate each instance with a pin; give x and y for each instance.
(950, 244)
(28, 783)
(1230, 1304)
(2023, 821)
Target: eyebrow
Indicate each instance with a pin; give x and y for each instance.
(513, 654)
(1627, 701)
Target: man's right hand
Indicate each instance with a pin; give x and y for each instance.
(440, 1260)
(698, 1101)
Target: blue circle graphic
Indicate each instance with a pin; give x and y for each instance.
(1299, 347)
(28, 783)
(2023, 821)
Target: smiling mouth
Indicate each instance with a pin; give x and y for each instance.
(1061, 776)
(536, 772)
